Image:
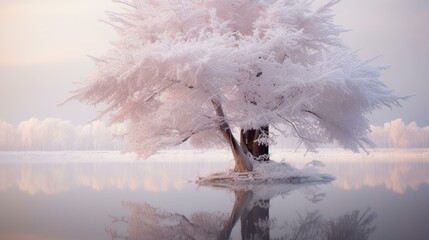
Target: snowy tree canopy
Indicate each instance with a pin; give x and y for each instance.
(187, 69)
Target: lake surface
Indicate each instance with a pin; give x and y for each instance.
(106, 195)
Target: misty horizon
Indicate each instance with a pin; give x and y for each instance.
(52, 134)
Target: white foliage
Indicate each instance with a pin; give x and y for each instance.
(279, 63)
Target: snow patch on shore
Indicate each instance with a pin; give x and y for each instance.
(267, 173)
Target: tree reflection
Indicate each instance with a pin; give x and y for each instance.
(147, 222)
(255, 223)
(350, 226)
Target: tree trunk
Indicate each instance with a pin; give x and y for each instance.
(248, 142)
(242, 162)
(250, 229)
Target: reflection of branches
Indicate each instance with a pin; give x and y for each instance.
(147, 222)
(316, 197)
(350, 226)
(308, 227)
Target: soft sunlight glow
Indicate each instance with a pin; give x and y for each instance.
(54, 31)
(37, 32)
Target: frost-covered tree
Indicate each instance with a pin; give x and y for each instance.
(200, 70)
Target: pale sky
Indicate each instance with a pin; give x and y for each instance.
(44, 43)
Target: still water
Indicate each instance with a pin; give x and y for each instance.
(105, 195)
